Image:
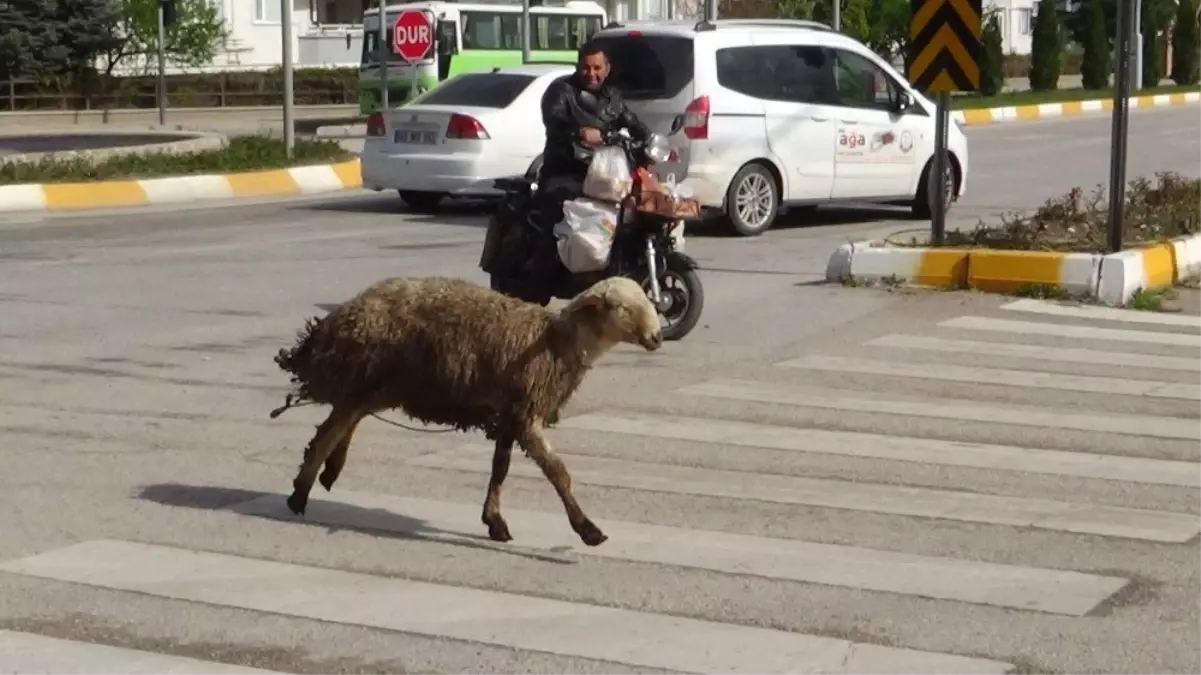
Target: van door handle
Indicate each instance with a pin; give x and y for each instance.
(815, 118)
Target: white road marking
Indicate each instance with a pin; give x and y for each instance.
(998, 376)
(1102, 313)
(901, 448)
(1030, 588)
(839, 494)
(32, 653)
(1069, 331)
(505, 619)
(1038, 352)
(945, 408)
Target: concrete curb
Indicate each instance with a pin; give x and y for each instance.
(1112, 278)
(1043, 111)
(294, 181)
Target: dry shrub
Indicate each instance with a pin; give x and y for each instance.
(1157, 210)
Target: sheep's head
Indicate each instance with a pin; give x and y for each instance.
(617, 310)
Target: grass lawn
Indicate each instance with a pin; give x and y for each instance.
(243, 153)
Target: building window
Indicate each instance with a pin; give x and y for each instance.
(267, 11)
(1025, 21)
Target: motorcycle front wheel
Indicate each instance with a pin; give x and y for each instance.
(683, 296)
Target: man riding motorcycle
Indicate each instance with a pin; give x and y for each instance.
(578, 110)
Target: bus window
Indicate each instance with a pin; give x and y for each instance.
(491, 30)
(563, 32)
(549, 32)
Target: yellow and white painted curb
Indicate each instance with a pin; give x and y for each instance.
(1044, 111)
(294, 181)
(1111, 278)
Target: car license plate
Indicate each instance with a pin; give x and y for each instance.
(415, 136)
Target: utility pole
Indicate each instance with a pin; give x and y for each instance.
(837, 15)
(525, 31)
(161, 80)
(286, 67)
(711, 10)
(1121, 112)
(1138, 48)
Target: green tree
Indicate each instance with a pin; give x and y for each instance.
(992, 55)
(47, 38)
(1185, 44)
(191, 41)
(1095, 65)
(1152, 54)
(1046, 48)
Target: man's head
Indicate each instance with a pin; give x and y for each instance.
(593, 67)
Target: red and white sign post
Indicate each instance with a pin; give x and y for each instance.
(412, 35)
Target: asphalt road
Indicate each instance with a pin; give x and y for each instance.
(925, 486)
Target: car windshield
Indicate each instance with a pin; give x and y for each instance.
(648, 66)
(484, 90)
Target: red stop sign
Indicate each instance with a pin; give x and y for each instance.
(412, 35)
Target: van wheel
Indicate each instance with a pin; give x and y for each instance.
(752, 200)
(923, 204)
(421, 202)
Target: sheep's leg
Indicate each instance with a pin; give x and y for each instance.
(328, 435)
(337, 458)
(498, 529)
(534, 442)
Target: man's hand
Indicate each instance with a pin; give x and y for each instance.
(591, 136)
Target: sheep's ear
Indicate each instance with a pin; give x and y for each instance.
(584, 301)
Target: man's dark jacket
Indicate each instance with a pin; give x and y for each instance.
(566, 108)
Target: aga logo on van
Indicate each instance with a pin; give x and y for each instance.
(851, 140)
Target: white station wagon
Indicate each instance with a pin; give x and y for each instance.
(780, 113)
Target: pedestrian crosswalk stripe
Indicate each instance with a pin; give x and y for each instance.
(946, 408)
(999, 376)
(1074, 331)
(856, 496)
(1030, 588)
(490, 617)
(1037, 352)
(1102, 313)
(32, 653)
(856, 444)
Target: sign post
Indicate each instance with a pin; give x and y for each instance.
(1121, 111)
(944, 56)
(412, 39)
(381, 55)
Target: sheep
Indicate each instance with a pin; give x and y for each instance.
(450, 352)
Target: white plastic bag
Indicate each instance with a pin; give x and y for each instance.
(608, 178)
(585, 235)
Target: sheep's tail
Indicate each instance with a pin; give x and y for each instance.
(295, 362)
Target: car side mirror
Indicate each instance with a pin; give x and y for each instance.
(904, 101)
(676, 124)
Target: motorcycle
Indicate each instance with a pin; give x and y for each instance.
(645, 248)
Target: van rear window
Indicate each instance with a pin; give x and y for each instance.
(648, 66)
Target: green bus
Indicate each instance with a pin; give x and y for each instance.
(470, 36)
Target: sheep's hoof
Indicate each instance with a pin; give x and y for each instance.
(590, 533)
(327, 479)
(297, 502)
(498, 529)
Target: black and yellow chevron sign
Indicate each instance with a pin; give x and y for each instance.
(944, 44)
